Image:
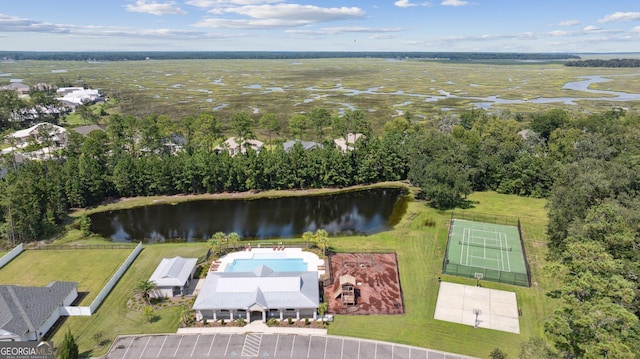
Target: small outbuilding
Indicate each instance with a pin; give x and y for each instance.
(172, 276)
(347, 290)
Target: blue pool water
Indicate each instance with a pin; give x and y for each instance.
(277, 265)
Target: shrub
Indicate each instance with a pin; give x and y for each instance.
(289, 321)
(306, 321)
(222, 322)
(241, 322)
(273, 322)
(204, 321)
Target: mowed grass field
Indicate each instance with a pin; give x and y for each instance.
(91, 268)
(420, 248)
(113, 317)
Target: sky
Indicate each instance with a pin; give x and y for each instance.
(572, 26)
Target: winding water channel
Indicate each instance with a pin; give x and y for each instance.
(360, 212)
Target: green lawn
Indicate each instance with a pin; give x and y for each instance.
(92, 269)
(113, 317)
(420, 250)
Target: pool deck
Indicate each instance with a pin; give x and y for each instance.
(313, 262)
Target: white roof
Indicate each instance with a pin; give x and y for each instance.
(264, 287)
(173, 272)
(344, 144)
(33, 130)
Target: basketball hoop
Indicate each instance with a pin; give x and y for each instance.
(478, 276)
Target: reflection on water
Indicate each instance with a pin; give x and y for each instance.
(361, 212)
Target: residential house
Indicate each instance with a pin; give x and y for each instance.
(78, 95)
(258, 295)
(85, 130)
(236, 145)
(18, 87)
(346, 144)
(307, 145)
(42, 132)
(172, 276)
(27, 313)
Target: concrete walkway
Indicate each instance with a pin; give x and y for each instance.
(257, 326)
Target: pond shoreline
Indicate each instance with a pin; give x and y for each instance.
(133, 202)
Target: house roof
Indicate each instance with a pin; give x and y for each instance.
(25, 309)
(344, 144)
(263, 286)
(85, 130)
(16, 86)
(33, 130)
(307, 145)
(173, 272)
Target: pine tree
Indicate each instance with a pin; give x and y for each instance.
(69, 348)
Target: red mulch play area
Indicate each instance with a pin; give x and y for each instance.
(377, 282)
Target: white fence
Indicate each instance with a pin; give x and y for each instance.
(114, 280)
(12, 254)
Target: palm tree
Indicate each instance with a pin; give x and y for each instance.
(144, 288)
(233, 239)
(322, 240)
(307, 237)
(216, 241)
(184, 314)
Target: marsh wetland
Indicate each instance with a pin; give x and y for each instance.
(381, 88)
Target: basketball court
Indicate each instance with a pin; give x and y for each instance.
(478, 307)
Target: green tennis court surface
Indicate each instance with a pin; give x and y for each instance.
(492, 251)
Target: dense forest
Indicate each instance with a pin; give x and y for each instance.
(605, 63)
(586, 165)
(200, 55)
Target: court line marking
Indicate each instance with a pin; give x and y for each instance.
(309, 347)
(145, 347)
(162, 346)
(342, 349)
(508, 259)
(501, 255)
(275, 350)
(194, 345)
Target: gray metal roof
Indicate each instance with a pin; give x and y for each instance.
(307, 145)
(173, 272)
(269, 289)
(24, 309)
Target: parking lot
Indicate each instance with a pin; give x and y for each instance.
(257, 345)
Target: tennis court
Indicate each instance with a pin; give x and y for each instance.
(486, 250)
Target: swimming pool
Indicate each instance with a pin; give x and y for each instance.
(276, 264)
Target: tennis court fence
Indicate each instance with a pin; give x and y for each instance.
(520, 279)
(459, 270)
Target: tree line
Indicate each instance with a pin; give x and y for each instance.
(273, 55)
(586, 165)
(605, 63)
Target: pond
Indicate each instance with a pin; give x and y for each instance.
(359, 212)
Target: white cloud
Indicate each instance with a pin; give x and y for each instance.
(636, 29)
(381, 37)
(155, 8)
(621, 16)
(569, 23)
(226, 3)
(408, 3)
(342, 30)
(280, 15)
(591, 28)
(454, 3)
